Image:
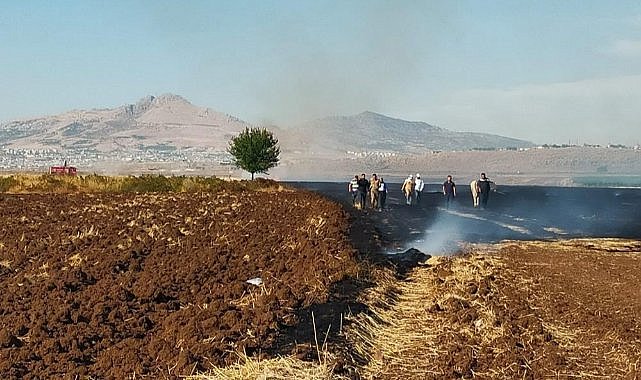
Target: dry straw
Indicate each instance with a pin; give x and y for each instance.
(281, 368)
(93, 183)
(399, 339)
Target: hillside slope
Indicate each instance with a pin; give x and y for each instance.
(167, 120)
(369, 131)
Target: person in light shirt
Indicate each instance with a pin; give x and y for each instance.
(352, 188)
(419, 184)
(408, 189)
(374, 183)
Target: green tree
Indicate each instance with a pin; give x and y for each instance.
(255, 150)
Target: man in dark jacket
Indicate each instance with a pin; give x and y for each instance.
(483, 185)
(363, 189)
(449, 191)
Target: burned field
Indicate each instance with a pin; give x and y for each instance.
(116, 285)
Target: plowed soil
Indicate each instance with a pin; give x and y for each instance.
(119, 285)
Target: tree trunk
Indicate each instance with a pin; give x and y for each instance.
(252, 176)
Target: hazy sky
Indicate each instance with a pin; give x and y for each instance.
(547, 71)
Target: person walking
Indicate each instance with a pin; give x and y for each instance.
(374, 183)
(352, 188)
(382, 193)
(483, 187)
(419, 184)
(363, 188)
(449, 191)
(408, 188)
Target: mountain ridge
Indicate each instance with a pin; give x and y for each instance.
(164, 119)
(375, 132)
(171, 121)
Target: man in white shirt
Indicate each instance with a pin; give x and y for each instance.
(408, 189)
(418, 188)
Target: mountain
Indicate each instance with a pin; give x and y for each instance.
(167, 132)
(171, 122)
(167, 121)
(373, 132)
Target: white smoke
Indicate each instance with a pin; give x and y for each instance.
(443, 236)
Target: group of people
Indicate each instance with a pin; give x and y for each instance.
(481, 190)
(375, 187)
(412, 189)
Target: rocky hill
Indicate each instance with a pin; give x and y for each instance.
(171, 122)
(372, 132)
(164, 122)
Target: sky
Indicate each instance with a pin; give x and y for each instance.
(545, 71)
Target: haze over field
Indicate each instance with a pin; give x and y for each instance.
(547, 72)
(167, 134)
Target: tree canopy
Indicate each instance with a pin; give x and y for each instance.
(255, 150)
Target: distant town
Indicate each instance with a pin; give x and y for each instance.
(39, 160)
(184, 160)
